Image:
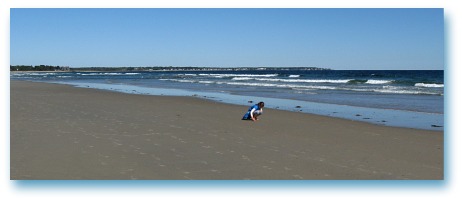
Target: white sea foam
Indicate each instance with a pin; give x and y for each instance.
(378, 81)
(242, 78)
(112, 73)
(304, 91)
(178, 80)
(91, 74)
(383, 89)
(304, 80)
(119, 74)
(206, 82)
(317, 87)
(392, 90)
(433, 85)
(292, 86)
(238, 75)
(19, 74)
(251, 84)
(403, 91)
(108, 74)
(36, 74)
(294, 76)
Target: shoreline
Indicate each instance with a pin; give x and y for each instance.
(63, 132)
(377, 116)
(399, 106)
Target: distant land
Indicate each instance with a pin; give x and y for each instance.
(156, 68)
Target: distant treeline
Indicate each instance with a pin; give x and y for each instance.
(38, 68)
(169, 68)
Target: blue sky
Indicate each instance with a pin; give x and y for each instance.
(332, 38)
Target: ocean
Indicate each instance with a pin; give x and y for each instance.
(402, 98)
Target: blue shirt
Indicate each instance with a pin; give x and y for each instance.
(247, 114)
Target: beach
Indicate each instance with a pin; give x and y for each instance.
(409, 98)
(60, 132)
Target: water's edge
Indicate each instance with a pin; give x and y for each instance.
(386, 117)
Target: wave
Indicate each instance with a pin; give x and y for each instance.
(395, 90)
(305, 80)
(108, 74)
(404, 92)
(371, 81)
(239, 75)
(429, 85)
(178, 80)
(206, 82)
(357, 81)
(294, 76)
(291, 86)
(242, 78)
(293, 80)
(353, 81)
(378, 82)
(383, 89)
(33, 74)
(273, 82)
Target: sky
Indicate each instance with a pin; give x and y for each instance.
(299, 37)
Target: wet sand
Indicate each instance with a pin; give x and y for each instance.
(67, 133)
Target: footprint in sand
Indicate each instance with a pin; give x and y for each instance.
(244, 157)
(297, 176)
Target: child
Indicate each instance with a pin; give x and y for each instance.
(254, 111)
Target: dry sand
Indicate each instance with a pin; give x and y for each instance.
(62, 132)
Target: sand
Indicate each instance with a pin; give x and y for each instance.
(67, 133)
